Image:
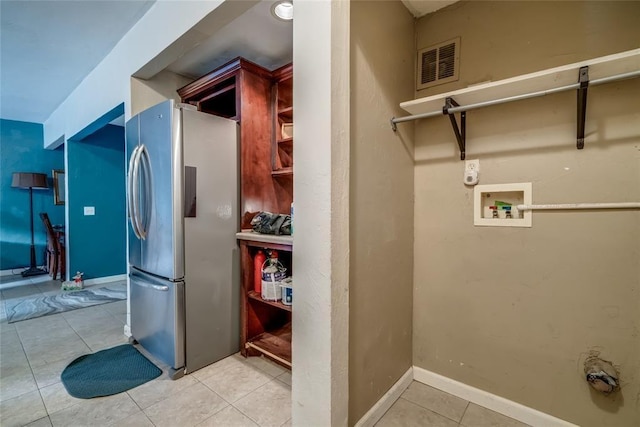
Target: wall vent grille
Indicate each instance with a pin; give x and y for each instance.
(438, 64)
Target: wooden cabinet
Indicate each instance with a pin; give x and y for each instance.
(242, 91)
(282, 150)
(282, 132)
(265, 325)
(262, 103)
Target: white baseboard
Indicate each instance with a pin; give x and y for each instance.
(17, 270)
(11, 271)
(386, 401)
(26, 281)
(101, 280)
(106, 279)
(490, 401)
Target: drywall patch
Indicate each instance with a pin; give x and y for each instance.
(601, 375)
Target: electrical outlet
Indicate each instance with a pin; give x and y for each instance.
(471, 172)
(472, 165)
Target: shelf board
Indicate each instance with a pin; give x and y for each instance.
(282, 172)
(285, 141)
(256, 296)
(218, 93)
(552, 78)
(275, 344)
(265, 238)
(286, 112)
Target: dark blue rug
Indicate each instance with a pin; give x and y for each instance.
(108, 372)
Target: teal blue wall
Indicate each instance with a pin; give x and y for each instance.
(96, 178)
(21, 150)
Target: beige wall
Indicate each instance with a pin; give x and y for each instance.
(162, 86)
(504, 39)
(381, 202)
(514, 311)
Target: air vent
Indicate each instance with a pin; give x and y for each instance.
(438, 64)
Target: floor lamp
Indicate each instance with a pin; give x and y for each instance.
(39, 182)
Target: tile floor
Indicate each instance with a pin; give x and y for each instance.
(232, 392)
(421, 405)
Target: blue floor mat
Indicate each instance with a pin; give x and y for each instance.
(108, 372)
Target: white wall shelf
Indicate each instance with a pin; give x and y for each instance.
(546, 80)
(577, 76)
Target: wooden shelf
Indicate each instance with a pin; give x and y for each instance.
(256, 296)
(265, 238)
(217, 93)
(275, 344)
(549, 79)
(282, 172)
(285, 141)
(286, 113)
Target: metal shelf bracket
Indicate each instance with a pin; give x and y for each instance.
(583, 79)
(460, 132)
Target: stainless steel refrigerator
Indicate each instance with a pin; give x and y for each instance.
(182, 197)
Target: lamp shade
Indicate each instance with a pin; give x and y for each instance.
(29, 180)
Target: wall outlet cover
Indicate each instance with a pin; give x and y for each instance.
(89, 210)
(472, 165)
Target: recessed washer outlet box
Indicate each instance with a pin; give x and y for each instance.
(495, 205)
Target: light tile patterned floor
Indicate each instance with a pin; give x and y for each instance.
(421, 405)
(232, 392)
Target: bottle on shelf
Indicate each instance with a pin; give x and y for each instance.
(273, 273)
(258, 260)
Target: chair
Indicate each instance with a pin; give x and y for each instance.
(55, 249)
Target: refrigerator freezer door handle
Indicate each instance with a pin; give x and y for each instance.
(131, 191)
(152, 286)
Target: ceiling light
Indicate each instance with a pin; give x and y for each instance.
(283, 10)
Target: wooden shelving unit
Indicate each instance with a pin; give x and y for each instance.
(275, 344)
(282, 150)
(256, 296)
(261, 101)
(265, 325)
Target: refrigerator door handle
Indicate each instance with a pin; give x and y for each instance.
(131, 191)
(136, 194)
(147, 188)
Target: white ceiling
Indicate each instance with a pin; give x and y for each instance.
(48, 47)
(256, 35)
(421, 7)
